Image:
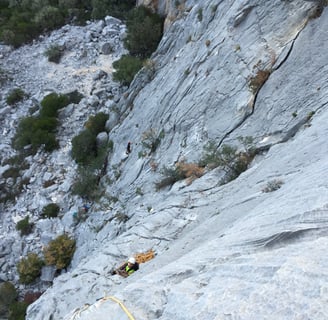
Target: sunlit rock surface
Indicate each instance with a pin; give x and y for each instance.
(250, 249)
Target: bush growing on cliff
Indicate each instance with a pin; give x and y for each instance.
(144, 32)
(49, 18)
(17, 310)
(8, 295)
(86, 184)
(181, 170)
(29, 268)
(115, 8)
(231, 160)
(25, 226)
(85, 150)
(91, 157)
(41, 130)
(84, 146)
(60, 251)
(171, 175)
(15, 96)
(51, 210)
(52, 103)
(126, 68)
(96, 123)
(54, 53)
(36, 131)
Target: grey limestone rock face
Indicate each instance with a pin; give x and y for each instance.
(253, 248)
(102, 139)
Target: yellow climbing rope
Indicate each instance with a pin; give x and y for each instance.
(145, 256)
(78, 312)
(120, 303)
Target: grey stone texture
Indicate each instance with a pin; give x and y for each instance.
(253, 248)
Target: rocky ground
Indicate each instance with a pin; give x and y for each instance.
(86, 66)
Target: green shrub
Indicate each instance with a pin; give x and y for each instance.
(29, 268)
(60, 251)
(19, 28)
(181, 170)
(51, 210)
(73, 97)
(17, 310)
(15, 96)
(91, 158)
(85, 150)
(8, 295)
(151, 139)
(36, 131)
(126, 68)
(114, 8)
(54, 53)
(24, 226)
(23, 134)
(49, 18)
(139, 191)
(171, 175)
(40, 131)
(144, 32)
(96, 124)
(46, 139)
(86, 184)
(310, 115)
(52, 103)
(84, 147)
(228, 158)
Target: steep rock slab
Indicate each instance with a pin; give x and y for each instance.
(216, 232)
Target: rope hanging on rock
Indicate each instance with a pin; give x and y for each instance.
(120, 303)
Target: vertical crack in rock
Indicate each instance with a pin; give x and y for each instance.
(252, 102)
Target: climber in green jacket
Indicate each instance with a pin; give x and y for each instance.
(127, 268)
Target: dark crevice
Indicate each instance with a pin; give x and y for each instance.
(290, 49)
(282, 238)
(293, 130)
(154, 238)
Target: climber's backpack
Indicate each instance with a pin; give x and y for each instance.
(135, 266)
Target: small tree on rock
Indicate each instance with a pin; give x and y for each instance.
(29, 268)
(60, 251)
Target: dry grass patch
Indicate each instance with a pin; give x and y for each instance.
(256, 82)
(191, 171)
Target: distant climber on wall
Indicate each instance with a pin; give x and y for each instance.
(128, 148)
(127, 268)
